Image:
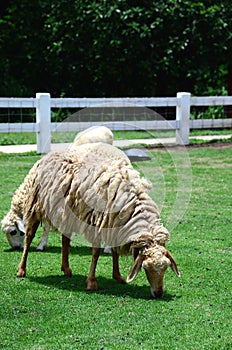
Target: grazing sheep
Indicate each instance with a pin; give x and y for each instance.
(96, 191)
(12, 224)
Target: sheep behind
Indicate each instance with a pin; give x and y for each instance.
(12, 223)
(94, 134)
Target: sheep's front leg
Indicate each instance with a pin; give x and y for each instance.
(65, 253)
(30, 234)
(116, 273)
(91, 280)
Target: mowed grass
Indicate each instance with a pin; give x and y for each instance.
(45, 310)
(13, 138)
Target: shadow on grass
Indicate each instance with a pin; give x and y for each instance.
(81, 251)
(107, 286)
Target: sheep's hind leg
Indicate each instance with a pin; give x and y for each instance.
(116, 273)
(65, 253)
(44, 240)
(30, 234)
(91, 280)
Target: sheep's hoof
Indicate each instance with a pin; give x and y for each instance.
(119, 279)
(21, 272)
(39, 249)
(92, 285)
(67, 271)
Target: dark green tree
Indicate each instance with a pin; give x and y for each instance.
(115, 47)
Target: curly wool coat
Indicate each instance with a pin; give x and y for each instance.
(12, 223)
(94, 191)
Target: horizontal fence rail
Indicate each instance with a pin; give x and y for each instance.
(19, 127)
(211, 101)
(17, 102)
(115, 102)
(183, 102)
(117, 125)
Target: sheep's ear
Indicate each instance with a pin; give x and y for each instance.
(135, 253)
(173, 263)
(19, 224)
(135, 268)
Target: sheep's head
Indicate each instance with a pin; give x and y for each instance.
(15, 232)
(155, 259)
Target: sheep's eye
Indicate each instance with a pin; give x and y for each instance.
(21, 233)
(13, 233)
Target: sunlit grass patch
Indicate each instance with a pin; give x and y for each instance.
(46, 310)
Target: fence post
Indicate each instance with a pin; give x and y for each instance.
(183, 117)
(43, 118)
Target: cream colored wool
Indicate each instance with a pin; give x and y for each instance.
(14, 218)
(94, 134)
(94, 191)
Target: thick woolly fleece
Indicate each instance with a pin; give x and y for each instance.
(13, 221)
(93, 190)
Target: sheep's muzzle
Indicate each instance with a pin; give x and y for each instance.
(157, 294)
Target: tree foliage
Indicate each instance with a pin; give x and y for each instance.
(115, 47)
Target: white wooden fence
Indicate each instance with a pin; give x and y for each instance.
(43, 104)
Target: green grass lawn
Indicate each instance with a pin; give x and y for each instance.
(23, 138)
(48, 311)
(58, 137)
